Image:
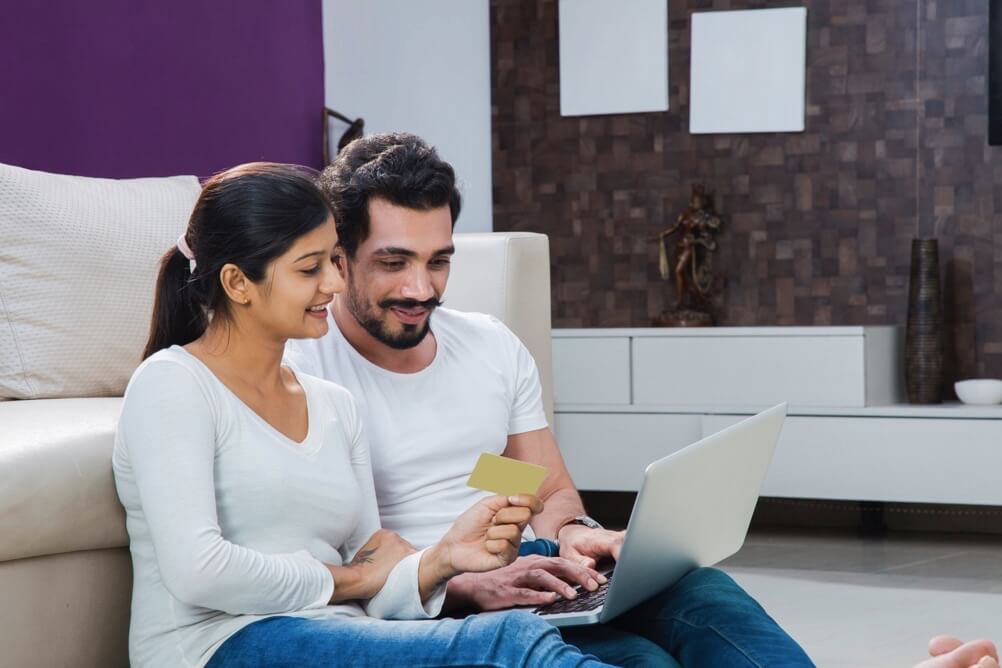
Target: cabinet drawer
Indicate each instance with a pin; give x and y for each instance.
(592, 370)
(609, 451)
(909, 460)
(724, 371)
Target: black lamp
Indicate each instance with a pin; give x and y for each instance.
(355, 130)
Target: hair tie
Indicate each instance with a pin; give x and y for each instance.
(182, 245)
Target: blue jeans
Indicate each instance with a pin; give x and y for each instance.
(704, 619)
(618, 647)
(504, 639)
(612, 645)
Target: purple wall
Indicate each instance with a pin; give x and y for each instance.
(125, 88)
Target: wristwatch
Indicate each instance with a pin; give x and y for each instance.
(585, 521)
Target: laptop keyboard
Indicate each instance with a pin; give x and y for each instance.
(585, 601)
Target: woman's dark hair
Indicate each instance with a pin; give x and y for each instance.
(247, 216)
(398, 167)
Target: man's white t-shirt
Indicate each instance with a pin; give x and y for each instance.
(231, 522)
(427, 429)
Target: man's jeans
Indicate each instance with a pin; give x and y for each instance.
(704, 619)
(503, 639)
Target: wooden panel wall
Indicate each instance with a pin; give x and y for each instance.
(818, 224)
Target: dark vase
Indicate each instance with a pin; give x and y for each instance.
(924, 332)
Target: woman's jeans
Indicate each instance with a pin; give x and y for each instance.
(502, 639)
(704, 619)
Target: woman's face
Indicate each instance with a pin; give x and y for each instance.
(291, 302)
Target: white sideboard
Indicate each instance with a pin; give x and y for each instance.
(625, 397)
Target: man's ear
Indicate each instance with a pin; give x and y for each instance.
(340, 260)
(236, 285)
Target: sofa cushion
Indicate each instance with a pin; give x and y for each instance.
(501, 273)
(57, 491)
(78, 265)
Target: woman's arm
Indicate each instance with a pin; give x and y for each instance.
(483, 538)
(368, 570)
(168, 434)
(434, 571)
(394, 584)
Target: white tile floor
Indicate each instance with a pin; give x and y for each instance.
(873, 602)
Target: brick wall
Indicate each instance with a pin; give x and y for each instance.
(818, 224)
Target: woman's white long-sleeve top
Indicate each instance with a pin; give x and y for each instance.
(230, 521)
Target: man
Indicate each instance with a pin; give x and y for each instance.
(437, 387)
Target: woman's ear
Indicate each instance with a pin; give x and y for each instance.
(235, 284)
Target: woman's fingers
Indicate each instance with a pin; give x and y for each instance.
(502, 548)
(513, 515)
(508, 532)
(530, 501)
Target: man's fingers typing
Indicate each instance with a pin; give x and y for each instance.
(540, 580)
(524, 596)
(572, 572)
(580, 559)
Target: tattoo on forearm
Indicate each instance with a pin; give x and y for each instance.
(364, 557)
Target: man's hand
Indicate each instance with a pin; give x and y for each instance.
(532, 580)
(587, 546)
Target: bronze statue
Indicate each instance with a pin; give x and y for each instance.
(696, 226)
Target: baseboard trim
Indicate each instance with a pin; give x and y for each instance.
(612, 509)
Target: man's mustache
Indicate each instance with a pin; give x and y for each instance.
(427, 304)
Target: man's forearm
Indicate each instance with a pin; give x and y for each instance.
(561, 502)
(559, 508)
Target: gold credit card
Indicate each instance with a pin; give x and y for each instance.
(506, 476)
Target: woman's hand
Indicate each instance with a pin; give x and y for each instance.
(366, 574)
(483, 538)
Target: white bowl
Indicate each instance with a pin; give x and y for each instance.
(979, 391)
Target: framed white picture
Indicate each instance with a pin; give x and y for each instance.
(613, 56)
(748, 71)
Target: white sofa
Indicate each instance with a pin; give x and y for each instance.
(65, 575)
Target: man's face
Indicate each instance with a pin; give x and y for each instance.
(398, 274)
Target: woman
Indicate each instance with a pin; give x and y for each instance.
(248, 492)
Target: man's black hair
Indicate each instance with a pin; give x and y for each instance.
(397, 167)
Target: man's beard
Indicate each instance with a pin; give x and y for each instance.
(367, 316)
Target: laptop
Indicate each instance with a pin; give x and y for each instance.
(693, 510)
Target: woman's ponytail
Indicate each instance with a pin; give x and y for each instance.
(247, 216)
(178, 317)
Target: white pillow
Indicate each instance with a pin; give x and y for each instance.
(78, 264)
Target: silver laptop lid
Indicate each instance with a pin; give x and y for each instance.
(693, 508)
